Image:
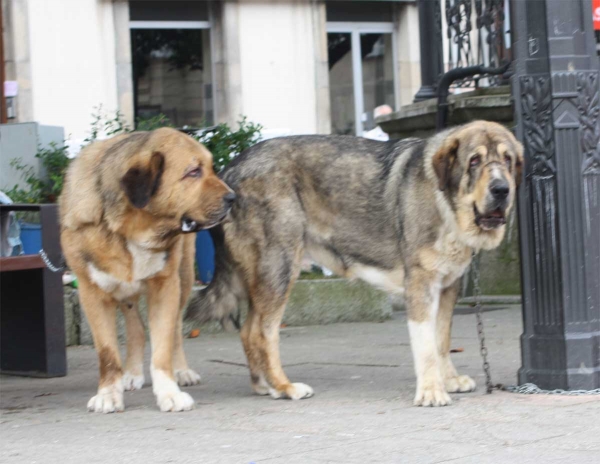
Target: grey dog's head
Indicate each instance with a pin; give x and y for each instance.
(479, 166)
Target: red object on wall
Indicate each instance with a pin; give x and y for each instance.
(596, 13)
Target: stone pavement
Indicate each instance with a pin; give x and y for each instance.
(363, 377)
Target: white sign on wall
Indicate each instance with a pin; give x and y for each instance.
(11, 88)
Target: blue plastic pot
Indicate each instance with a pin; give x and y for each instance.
(31, 237)
(205, 256)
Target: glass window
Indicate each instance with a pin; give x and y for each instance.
(341, 83)
(361, 75)
(377, 74)
(172, 75)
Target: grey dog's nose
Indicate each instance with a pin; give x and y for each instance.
(229, 199)
(499, 189)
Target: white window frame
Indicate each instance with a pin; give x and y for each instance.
(169, 24)
(355, 29)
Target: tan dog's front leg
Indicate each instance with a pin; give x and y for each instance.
(163, 311)
(101, 312)
(423, 297)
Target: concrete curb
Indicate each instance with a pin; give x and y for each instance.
(492, 300)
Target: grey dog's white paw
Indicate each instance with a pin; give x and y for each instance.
(300, 391)
(460, 384)
(175, 402)
(294, 391)
(433, 395)
(187, 377)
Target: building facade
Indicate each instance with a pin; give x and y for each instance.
(294, 66)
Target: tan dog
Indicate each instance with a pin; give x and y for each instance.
(124, 209)
(399, 215)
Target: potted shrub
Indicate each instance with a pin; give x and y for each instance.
(54, 162)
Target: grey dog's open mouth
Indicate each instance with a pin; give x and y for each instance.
(491, 220)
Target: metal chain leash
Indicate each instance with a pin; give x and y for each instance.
(526, 388)
(49, 264)
(489, 386)
(533, 389)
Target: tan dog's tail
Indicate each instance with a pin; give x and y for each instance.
(220, 300)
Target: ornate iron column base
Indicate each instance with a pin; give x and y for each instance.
(547, 361)
(557, 106)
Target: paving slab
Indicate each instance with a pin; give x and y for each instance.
(362, 411)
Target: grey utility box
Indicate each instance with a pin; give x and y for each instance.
(23, 141)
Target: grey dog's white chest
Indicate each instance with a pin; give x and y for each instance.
(145, 263)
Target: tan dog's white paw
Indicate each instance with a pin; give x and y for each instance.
(109, 399)
(434, 395)
(175, 402)
(187, 377)
(460, 384)
(133, 381)
(295, 391)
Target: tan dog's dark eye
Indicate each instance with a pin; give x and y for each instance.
(508, 161)
(195, 173)
(475, 161)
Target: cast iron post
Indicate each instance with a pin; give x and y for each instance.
(430, 30)
(555, 88)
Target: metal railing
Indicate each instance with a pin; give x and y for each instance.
(477, 33)
(463, 34)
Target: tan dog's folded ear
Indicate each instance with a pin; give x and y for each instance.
(443, 162)
(141, 182)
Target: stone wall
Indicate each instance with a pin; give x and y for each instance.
(312, 302)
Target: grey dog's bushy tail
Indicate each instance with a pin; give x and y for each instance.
(220, 300)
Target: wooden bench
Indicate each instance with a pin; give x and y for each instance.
(32, 318)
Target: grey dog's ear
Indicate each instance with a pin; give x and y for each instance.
(141, 182)
(519, 165)
(443, 162)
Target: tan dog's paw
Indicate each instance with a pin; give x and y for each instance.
(187, 377)
(175, 402)
(460, 384)
(133, 381)
(294, 391)
(299, 391)
(108, 399)
(434, 395)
